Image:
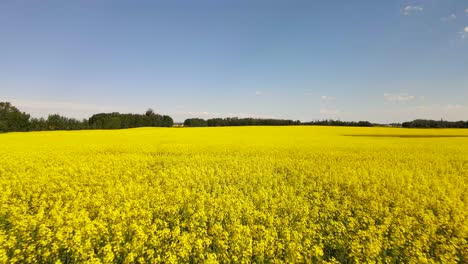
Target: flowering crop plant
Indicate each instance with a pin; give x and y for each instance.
(303, 194)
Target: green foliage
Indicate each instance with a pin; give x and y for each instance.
(3, 126)
(234, 121)
(195, 122)
(421, 123)
(57, 122)
(11, 119)
(116, 120)
(331, 122)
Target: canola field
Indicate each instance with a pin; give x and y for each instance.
(235, 195)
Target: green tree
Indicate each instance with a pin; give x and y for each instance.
(11, 119)
(195, 122)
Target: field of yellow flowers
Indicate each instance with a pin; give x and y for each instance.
(235, 195)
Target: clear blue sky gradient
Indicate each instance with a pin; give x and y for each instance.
(383, 61)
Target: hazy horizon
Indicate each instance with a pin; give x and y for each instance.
(385, 62)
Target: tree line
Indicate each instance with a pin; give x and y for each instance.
(13, 120)
(117, 120)
(422, 123)
(331, 122)
(233, 121)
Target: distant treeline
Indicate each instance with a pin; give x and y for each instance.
(12, 119)
(339, 123)
(421, 123)
(116, 120)
(233, 121)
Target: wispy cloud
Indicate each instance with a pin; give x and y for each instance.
(180, 116)
(251, 115)
(411, 9)
(464, 33)
(453, 112)
(258, 93)
(402, 97)
(42, 108)
(448, 18)
(201, 114)
(466, 10)
(327, 98)
(455, 107)
(59, 105)
(330, 113)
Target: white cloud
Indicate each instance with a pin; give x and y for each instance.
(327, 98)
(200, 114)
(454, 107)
(449, 18)
(398, 97)
(180, 116)
(258, 93)
(330, 113)
(452, 112)
(466, 10)
(251, 115)
(409, 9)
(58, 105)
(464, 33)
(204, 113)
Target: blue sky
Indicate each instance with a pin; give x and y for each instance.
(383, 61)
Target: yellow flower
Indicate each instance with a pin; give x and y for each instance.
(234, 194)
